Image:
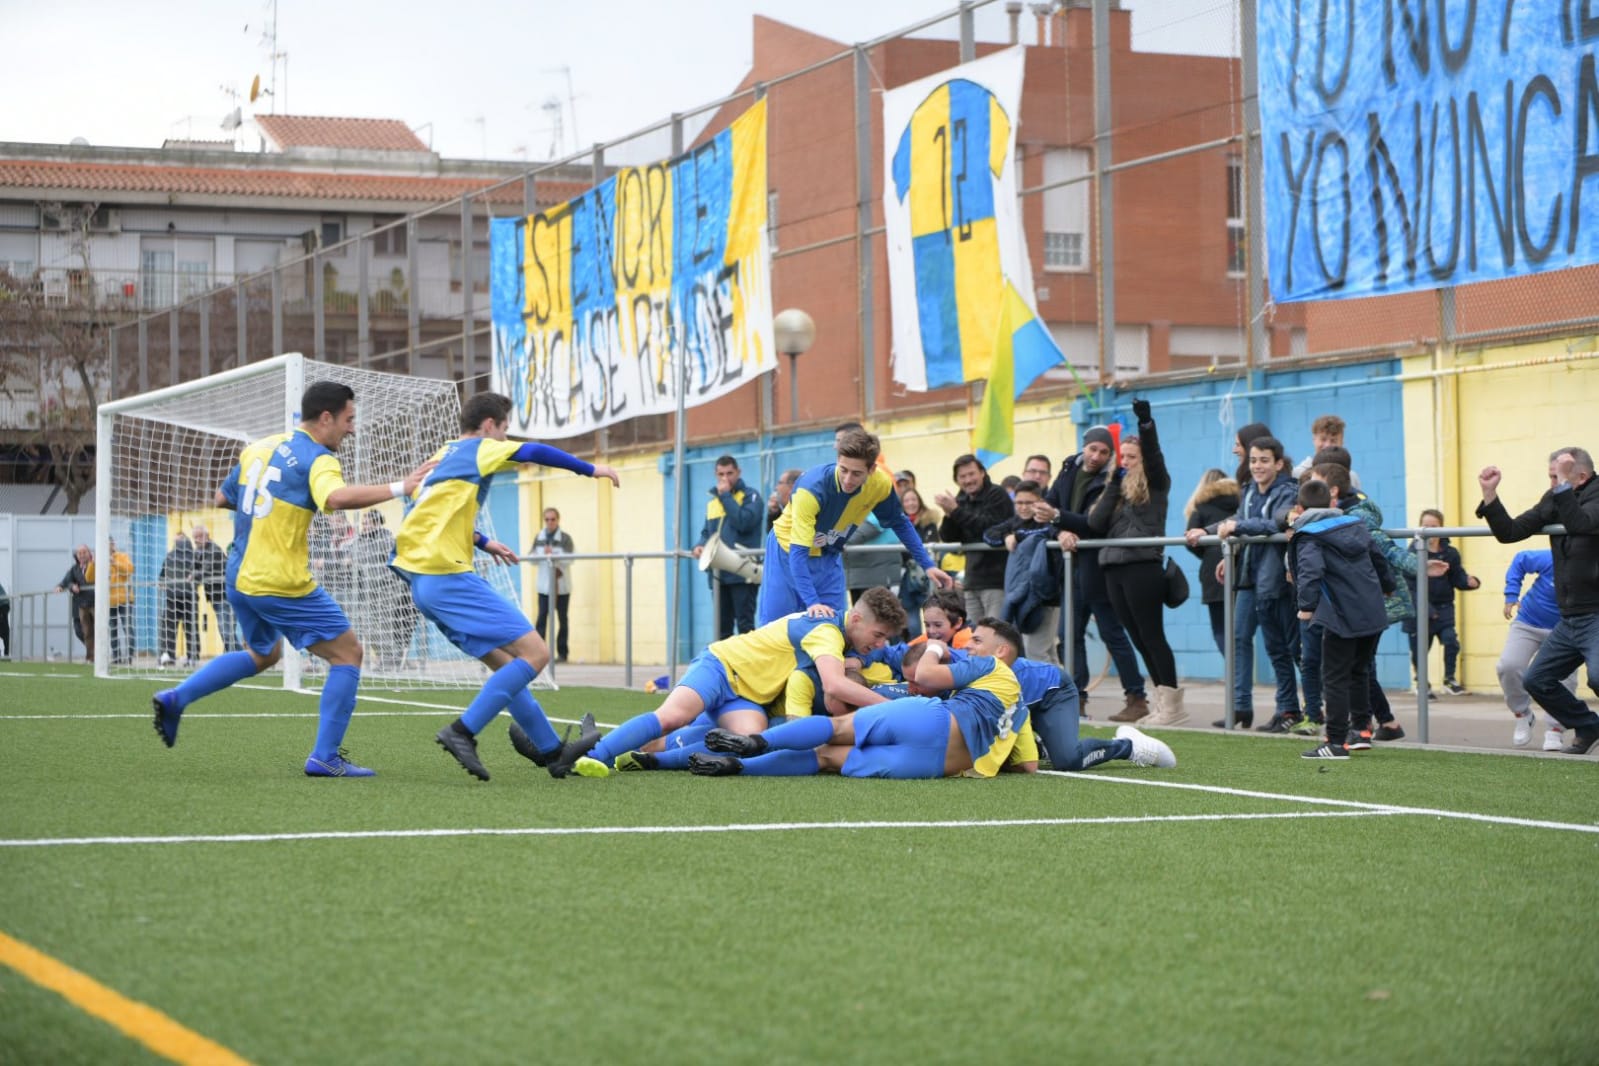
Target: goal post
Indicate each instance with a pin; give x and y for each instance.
(162, 455)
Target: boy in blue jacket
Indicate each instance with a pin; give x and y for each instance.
(1340, 579)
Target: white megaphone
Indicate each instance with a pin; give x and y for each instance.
(718, 556)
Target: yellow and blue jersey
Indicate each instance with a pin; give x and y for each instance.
(759, 662)
(946, 166)
(278, 485)
(823, 516)
(988, 708)
(436, 535)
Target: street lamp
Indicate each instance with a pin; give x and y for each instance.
(795, 333)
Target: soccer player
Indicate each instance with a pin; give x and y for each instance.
(434, 553)
(804, 550)
(973, 731)
(733, 680)
(277, 486)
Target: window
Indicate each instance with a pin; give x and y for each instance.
(1066, 210)
(155, 278)
(389, 241)
(1237, 249)
(194, 278)
(332, 231)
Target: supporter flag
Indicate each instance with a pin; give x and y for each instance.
(1023, 349)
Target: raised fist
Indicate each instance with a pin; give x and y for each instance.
(1141, 409)
(1489, 479)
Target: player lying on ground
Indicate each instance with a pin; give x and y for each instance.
(434, 554)
(277, 486)
(735, 679)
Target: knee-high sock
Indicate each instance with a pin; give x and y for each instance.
(783, 764)
(530, 716)
(338, 704)
(215, 676)
(800, 734)
(631, 735)
(688, 735)
(1090, 753)
(676, 757)
(496, 693)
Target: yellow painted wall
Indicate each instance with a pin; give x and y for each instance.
(1509, 407)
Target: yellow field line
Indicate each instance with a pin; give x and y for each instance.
(145, 1024)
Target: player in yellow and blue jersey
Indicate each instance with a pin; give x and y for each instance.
(434, 553)
(805, 548)
(734, 680)
(277, 486)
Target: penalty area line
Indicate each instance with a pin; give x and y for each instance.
(657, 830)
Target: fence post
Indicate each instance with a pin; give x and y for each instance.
(1419, 546)
(1258, 350)
(319, 310)
(413, 299)
(205, 336)
(865, 199)
(627, 622)
(468, 347)
(174, 351)
(1229, 622)
(1102, 185)
(363, 312)
(1068, 616)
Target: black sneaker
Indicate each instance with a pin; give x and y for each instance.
(1582, 741)
(527, 749)
(730, 743)
(1455, 688)
(588, 735)
(1240, 721)
(1281, 723)
(1326, 751)
(464, 747)
(714, 765)
(1358, 740)
(1389, 731)
(635, 760)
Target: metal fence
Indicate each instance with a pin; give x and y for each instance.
(1145, 230)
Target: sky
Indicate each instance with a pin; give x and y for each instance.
(473, 79)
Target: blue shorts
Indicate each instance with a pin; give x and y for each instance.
(906, 739)
(471, 614)
(778, 595)
(304, 620)
(708, 678)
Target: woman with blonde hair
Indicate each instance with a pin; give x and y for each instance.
(1134, 505)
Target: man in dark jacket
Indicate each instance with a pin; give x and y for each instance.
(178, 602)
(977, 507)
(1032, 574)
(732, 515)
(211, 566)
(1573, 502)
(1340, 579)
(1076, 488)
(78, 583)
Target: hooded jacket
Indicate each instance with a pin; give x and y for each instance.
(1262, 514)
(1576, 553)
(1399, 603)
(1087, 579)
(1339, 574)
(1213, 504)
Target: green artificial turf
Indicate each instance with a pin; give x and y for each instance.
(1359, 938)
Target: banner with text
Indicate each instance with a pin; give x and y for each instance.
(1413, 144)
(661, 274)
(949, 205)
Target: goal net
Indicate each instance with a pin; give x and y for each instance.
(163, 454)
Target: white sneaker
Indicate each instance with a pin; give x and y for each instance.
(1147, 751)
(1524, 724)
(165, 660)
(1554, 739)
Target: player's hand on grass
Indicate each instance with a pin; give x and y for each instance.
(601, 470)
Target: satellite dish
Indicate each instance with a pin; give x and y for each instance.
(255, 88)
(80, 142)
(233, 120)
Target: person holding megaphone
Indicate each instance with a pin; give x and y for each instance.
(732, 520)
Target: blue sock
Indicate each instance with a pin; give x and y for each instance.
(1091, 753)
(338, 704)
(783, 764)
(800, 734)
(689, 734)
(496, 693)
(215, 676)
(631, 735)
(677, 758)
(530, 716)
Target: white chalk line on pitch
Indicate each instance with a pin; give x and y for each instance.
(658, 830)
(428, 712)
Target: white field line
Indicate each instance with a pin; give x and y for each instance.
(651, 830)
(1371, 808)
(426, 713)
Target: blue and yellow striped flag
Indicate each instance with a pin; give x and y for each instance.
(1023, 349)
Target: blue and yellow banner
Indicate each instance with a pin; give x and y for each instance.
(1412, 145)
(661, 274)
(1023, 349)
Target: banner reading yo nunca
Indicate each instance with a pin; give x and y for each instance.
(949, 204)
(1413, 145)
(595, 301)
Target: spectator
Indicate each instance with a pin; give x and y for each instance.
(178, 606)
(944, 619)
(386, 614)
(1241, 442)
(1033, 574)
(1265, 602)
(5, 623)
(1572, 501)
(1076, 489)
(1009, 485)
(1037, 468)
(1326, 432)
(555, 581)
(1532, 618)
(78, 583)
(120, 622)
(913, 583)
(1215, 499)
(1340, 580)
(732, 515)
(865, 570)
(1445, 574)
(779, 497)
(905, 479)
(978, 505)
(211, 566)
(1134, 505)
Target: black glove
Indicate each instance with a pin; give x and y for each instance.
(1121, 472)
(1141, 409)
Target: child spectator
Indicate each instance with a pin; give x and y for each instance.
(944, 619)
(1033, 574)
(1445, 574)
(1340, 579)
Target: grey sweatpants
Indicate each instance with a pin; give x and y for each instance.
(1521, 645)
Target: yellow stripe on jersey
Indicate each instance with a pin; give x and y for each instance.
(435, 536)
(759, 662)
(283, 480)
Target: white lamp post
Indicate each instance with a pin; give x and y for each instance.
(794, 333)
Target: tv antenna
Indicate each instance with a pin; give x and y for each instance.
(571, 100)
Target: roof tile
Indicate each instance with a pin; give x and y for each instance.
(367, 134)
